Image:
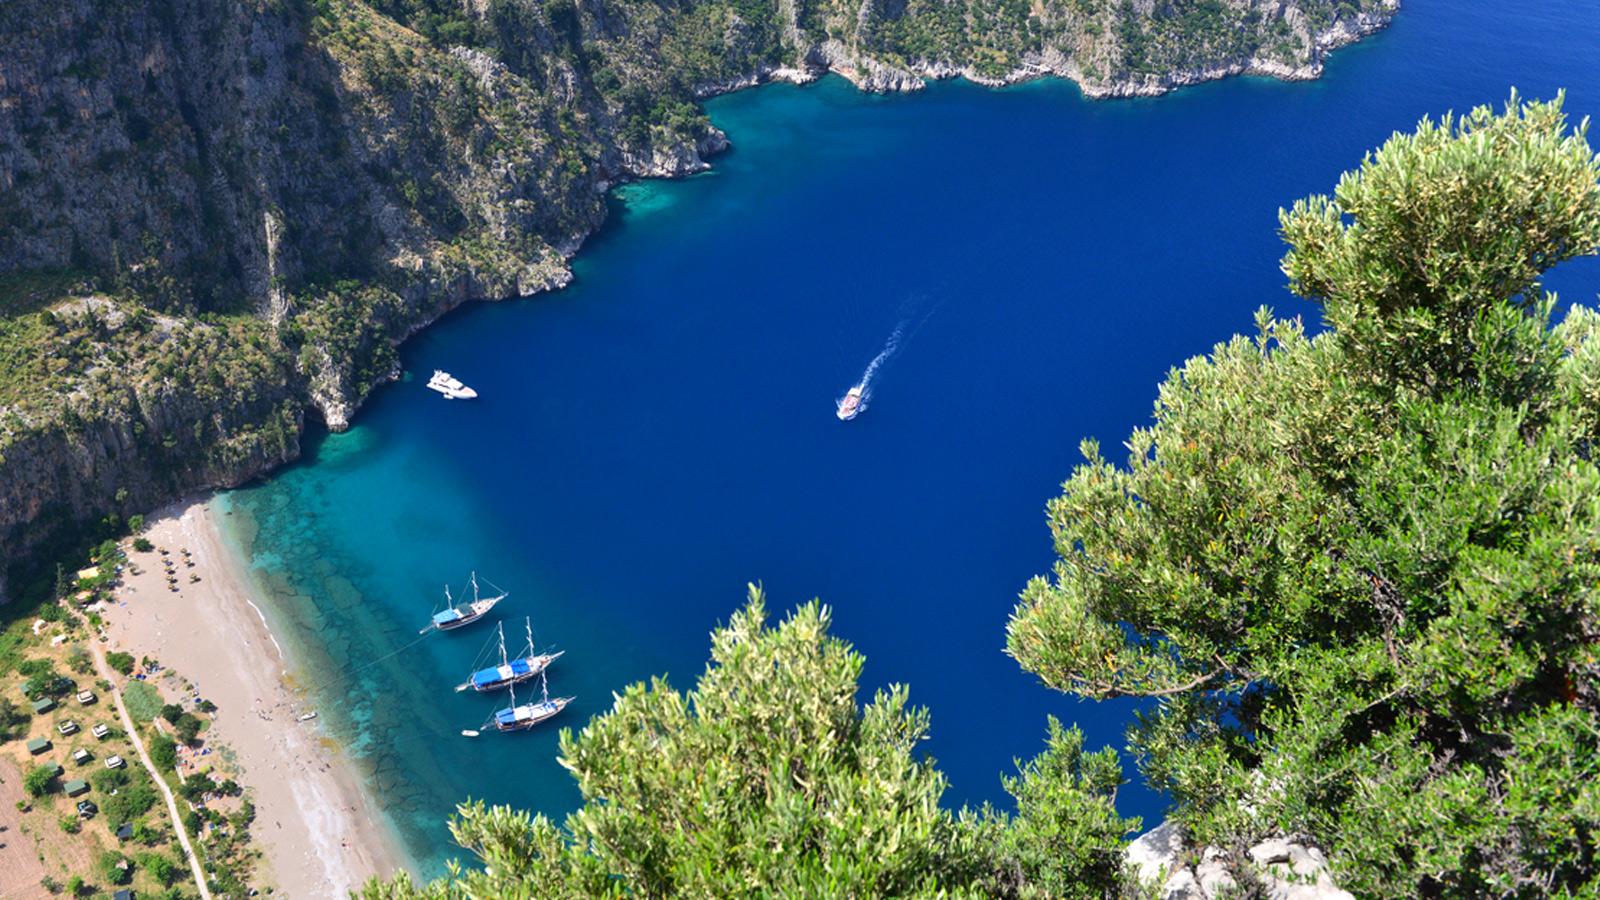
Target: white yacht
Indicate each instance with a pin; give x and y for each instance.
(851, 404)
(450, 386)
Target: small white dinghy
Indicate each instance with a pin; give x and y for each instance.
(450, 386)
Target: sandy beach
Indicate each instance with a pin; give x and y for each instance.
(320, 831)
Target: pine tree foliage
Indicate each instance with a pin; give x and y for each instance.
(1360, 569)
(768, 779)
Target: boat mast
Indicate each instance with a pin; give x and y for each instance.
(529, 621)
(501, 628)
(474, 587)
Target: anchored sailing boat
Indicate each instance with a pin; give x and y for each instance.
(459, 614)
(527, 715)
(512, 671)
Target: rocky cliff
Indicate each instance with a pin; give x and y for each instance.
(1165, 864)
(260, 198)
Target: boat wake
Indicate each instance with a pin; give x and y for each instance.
(855, 399)
(888, 350)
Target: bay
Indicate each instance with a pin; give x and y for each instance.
(662, 433)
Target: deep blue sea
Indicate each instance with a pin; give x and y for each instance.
(661, 433)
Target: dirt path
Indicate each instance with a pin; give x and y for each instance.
(138, 744)
(322, 834)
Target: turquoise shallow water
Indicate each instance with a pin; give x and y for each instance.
(658, 435)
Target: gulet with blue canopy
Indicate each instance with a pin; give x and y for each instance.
(510, 671)
(456, 614)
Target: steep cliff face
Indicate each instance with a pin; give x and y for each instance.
(110, 408)
(298, 185)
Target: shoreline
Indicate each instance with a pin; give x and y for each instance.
(873, 75)
(321, 834)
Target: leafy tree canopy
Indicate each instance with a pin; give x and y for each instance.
(769, 780)
(1360, 569)
(39, 780)
(13, 719)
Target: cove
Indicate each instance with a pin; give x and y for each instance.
(661, 433)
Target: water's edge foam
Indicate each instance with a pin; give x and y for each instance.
(231, 524)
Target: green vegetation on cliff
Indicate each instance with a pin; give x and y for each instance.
(89, 376)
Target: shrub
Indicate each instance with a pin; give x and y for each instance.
(13, 720)
(188, 728)
(160, 867)
(39, 780)
(196, 786)
(1357, 571)
(143, 700)
(108, 780)
(34, 667)
(79, 660)
(164, 753)
(115, 868)
(129, 803)
(122, 662)
(43, 679)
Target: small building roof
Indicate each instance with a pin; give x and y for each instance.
(90, 572)
(122, 895)
(124, 831)
(43, 705)
(38, 745)
(75, 787)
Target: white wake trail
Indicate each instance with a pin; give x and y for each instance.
(888, 350)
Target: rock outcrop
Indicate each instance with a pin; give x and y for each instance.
(1275, 869)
